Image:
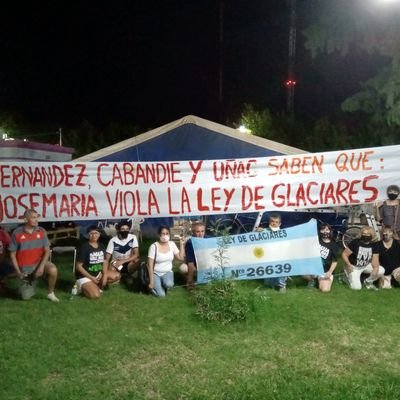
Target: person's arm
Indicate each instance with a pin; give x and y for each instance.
(332, 268)
(13, 258)
(378, 206)
(375, 264)
(39, 270)
(180, 255)
(345, 255)
(134, 257)
(5, 239)
(150, 264)
(104, 274)
(108, 257)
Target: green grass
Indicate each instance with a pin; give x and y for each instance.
(301, 345)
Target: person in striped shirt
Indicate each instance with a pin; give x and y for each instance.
(29, 253)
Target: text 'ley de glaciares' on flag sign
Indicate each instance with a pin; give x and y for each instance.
(259, 255)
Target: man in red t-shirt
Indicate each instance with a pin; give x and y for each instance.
(29, 253)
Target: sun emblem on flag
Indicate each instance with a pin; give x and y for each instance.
(258, 252)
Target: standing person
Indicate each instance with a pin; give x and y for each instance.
(91, 265)
(122, 253)
(29, 252)
(159, 261)
(362, 257)
(329, 255)
(190, 267)
(280, 283)
(6, 267)
(388, 212)
(389, 257)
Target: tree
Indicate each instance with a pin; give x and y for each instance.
(10, 124)
(258, 122)
(370, 27)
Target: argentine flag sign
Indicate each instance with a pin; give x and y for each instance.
(259, 255)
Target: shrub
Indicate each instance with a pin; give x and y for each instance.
(220, 300)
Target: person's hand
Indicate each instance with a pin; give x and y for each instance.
(117, 264)
(103, 283)
(375, 273)
(151, 285)
(350, 268)
(328, 274)
(21, 275)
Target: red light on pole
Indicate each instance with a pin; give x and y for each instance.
(290, 82)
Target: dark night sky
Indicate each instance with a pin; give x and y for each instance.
(151, 62)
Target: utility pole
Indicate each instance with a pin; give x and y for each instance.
(291, 79)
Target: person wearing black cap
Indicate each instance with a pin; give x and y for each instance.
(91, 265)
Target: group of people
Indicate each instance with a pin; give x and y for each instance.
(26, 255)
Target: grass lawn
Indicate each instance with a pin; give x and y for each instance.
(300, 345)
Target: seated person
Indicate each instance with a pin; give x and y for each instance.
(29, 252)
(91, 266)
(389, 257)
(329, 254)
(122, 253)
(190, 268)
(280, 283)
(362, 257)
(6, 268)
(159, 262)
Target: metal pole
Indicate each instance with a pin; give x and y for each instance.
(291, 80)
(221, 58)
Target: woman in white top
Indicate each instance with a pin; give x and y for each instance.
(159, 261)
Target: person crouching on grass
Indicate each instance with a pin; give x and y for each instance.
(389, 257)
(122, 253)
(362, 256)
(29, 253)
(159, 262)
(189, 268)
(91, 266)
(329, 254)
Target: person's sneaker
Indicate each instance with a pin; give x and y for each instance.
(370, 286)
(311, 284)
(282, 290)
(53, 297)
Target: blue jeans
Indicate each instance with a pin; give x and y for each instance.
(163, 282)
(279, 282)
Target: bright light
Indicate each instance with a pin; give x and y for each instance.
(243, 129)
(4, 136)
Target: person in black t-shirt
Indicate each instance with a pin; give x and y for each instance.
(91, 266)
(362, 257)
(329, 254)
(389, 257)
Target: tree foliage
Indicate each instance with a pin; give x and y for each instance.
(319, 135)
(370, 27)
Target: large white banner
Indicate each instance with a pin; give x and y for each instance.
(259, 255)
(114, 190)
